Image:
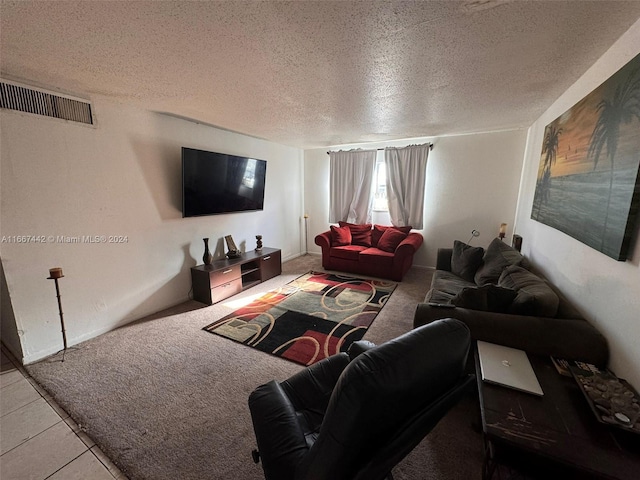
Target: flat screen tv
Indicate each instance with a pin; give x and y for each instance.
(215, 183)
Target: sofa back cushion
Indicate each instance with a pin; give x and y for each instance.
(488, 298)
(390, 239)
(340, 236)
(360, 234)
(534, 296)
(465, 260)
(378, 230)
(498, 256)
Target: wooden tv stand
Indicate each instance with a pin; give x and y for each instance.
(224, 278)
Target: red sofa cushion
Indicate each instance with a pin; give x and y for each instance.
(380, 258)
(360, 234)
(390, 239)
(378, 231)
(340, 236)
(347, 252)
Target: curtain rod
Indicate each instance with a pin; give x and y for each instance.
(430, 148)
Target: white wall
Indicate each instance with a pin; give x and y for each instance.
(472, 183)
(606, 291)
(123, 178)
(8, 329)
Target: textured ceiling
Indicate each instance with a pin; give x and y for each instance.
(321, 73)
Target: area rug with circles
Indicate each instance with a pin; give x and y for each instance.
(314, 316)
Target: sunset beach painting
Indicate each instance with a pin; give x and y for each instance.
(588, 183)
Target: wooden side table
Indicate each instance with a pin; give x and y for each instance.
(552, 435)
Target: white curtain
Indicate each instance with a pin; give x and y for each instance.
(406, 177)
(351, 177)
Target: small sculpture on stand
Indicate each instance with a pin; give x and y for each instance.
(258, 243)
(207, 258)
(231, 245)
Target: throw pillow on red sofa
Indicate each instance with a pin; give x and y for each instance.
(378, 231)
(340, 236)
(390, 239)
(360, 234)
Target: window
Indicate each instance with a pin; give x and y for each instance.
(351, 179)
(249, 177)
(380, 185)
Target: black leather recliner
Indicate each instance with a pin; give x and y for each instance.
(355, 416)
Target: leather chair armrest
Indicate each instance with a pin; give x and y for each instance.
(279, 435)
(443, 260)
(311, 388)
(361, 346)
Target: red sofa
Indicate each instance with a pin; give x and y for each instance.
(369, 249)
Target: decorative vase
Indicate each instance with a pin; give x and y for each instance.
(207, 258)
(258, 243)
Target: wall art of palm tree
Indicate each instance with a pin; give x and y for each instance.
(588, 183)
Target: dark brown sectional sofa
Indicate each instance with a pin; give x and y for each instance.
(503, 302)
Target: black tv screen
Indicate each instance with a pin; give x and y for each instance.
(215, 183)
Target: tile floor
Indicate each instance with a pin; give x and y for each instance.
(38, 440)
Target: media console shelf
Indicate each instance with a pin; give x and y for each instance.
(224, 278)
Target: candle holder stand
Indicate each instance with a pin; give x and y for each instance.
(55, 274)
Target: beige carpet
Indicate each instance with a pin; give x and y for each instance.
(166, 400)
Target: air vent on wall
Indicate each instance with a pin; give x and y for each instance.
(31, 100)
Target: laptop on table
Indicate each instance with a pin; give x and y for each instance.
(507, 366)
